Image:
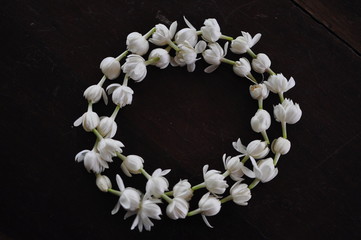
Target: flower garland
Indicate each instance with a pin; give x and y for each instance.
(187, 46)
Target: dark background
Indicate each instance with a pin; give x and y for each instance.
(50, 53)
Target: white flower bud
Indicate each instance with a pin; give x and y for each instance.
(267, 170)
(183, 189)
(187, 55)
(130, 199)
(163, 55)
(92, 161)
(234, 167)
(122, 95)
(135, 67)
(211, 31)
(240, 193)
(103, 183)
(243, 43)
(186, 34)
(257, 149)
(264, 170)
(178, 208)
(287, 112)
(279, 84)
(259, 91)
(214, 54)
(261, 121)
(242, 67)
(261, 63)
(94, 93)
(281, 146)
(162, 34)
(214, 181)
(157, 184)
(107, 127)
(132, 165)
(89, 120)
(137, 44)
(108, 148)
(110, 68)
(209, 205)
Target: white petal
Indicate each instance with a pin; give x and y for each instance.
(120, 183)
(129, 214)
(112, 87)
(225, 49)
(78, 121)
(116, 208)
(188, 23)
(105, 97)
(125, 170)
(200, 46)
(206, 221)
(173, 63)
(211, 68)
(255, 39)
(173, 28)
(257, 171)
(205, 168)
(135, 223)
(249, 173)
(80, 156)
(291, 84)
(165, 172)
(191, 67)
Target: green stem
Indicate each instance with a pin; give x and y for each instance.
(125, 80)
(194, 212)
(101, 82)
(228, 38)
(270, 71)
(172, 45)
(114, 192)
(277, 157)
(284, 129)
(252, 78)
(254, 184)
(168, 48)
(145, 174)
(265, 136)
(151, 61)
(99, 136)
(199, 32)
(260, 103)
(281, 97)
(165, 197)
(199, 186)
(116, 110)
(170, 193)
(121, 156)
(121, 56)
(228, 61)
(244, 160)
(90, 106)
(226, 173)
(148, 34)
(251, 53)
(226, 199)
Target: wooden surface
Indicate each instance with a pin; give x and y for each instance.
(51, 52)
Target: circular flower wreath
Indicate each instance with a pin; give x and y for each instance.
(186, 46)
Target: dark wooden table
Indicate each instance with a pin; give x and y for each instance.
(51, 52)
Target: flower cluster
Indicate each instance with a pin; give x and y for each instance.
(251, 164)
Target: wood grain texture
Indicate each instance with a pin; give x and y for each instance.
(341, 17)
(178, 120)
